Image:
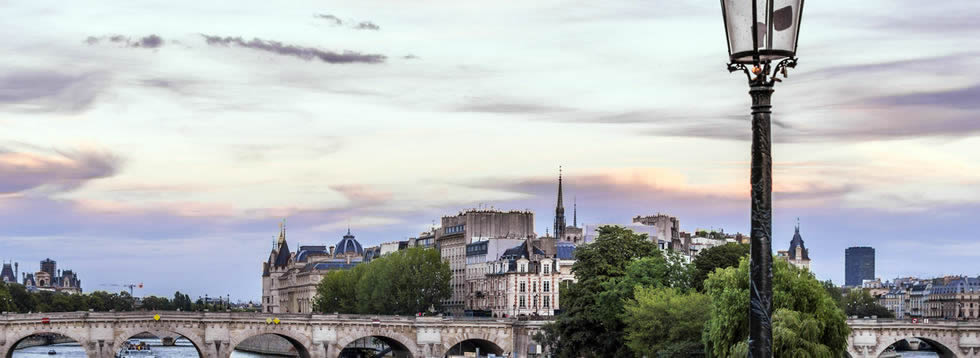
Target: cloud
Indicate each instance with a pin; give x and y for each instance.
(51, 91)
(360, 196)
(330, 18)
(56, 171)
(306, 53)
(962, 98)
(484, 105)
(149, 41)
(367, 25)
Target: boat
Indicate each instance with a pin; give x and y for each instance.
(135, 348)
(890, 353)
(52, 352)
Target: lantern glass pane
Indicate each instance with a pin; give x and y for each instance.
(786, 24)
(738, 20)
(762, 23)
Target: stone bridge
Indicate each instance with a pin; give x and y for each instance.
(870, 337)
(216, 334)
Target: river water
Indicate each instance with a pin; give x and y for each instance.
(182, 349)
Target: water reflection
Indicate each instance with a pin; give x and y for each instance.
(182, 348)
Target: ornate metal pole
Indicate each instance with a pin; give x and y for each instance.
(761, 81)
(760, 325)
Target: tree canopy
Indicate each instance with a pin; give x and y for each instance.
(666, 321)
(806, 320)
(607, 271)
(859, 302)
(708, 260)
(405, 282)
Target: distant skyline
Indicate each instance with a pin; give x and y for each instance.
(162, 142)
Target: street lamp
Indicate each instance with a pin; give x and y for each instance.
(760, 33)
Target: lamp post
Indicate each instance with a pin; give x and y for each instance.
(761, 33)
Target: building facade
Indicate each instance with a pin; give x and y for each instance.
(797, 255)
(50, 278)
(859, 265)
(525, 281)
(289, 279)
(472, 226)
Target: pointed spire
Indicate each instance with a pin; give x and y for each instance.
(282, 231)
(559, 211)
(797, 225)
(575, 211)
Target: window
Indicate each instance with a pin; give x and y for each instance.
(547, 269)
(547, 302)
(534, 287)
(522, 302)
(523, 287)
(546, 286)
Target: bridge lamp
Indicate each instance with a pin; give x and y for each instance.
(762, 38)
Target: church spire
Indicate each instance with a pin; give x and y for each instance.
(282, 231)
(575, 211)
(797, 225)
(559, 211)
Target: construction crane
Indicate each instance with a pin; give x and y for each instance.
(131, 286)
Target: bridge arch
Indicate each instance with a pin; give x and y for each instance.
(21, 336)
(485, 342)
(155, 329)
(392, 338)
(303, 343)
(945, 349)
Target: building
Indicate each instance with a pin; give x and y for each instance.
(50, 279)
(859, 265)
(958, 299)
(797, 254)
(472, 226)
(478, 254)
(699, 244)
(525, 281)
(289, 279)
(666, 229)
(9, 273)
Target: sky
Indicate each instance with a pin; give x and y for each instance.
(163, 141)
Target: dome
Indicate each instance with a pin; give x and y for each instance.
(349, 246)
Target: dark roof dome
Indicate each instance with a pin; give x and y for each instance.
(798, 242)
(348, 245)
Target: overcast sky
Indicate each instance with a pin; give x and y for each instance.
(162, 141)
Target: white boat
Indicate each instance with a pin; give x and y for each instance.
(135, 348)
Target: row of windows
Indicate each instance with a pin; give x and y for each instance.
(545, 287)
(545, 302)
(455, 229)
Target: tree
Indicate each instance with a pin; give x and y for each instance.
(6, 300)
(591, 324)
(859, 302)
(666, 321)
(835, 293)
(707, 261)
(403, 283)
(804, 311)
(23, 300)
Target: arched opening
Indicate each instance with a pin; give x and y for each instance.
(479, 348)
(157, 344)
(917, 347)
(375, 347)
(47, 345)
(269, 344)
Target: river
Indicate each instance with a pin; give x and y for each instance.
(182, 349)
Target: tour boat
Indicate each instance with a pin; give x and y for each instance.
(52, 352)
(134, 348)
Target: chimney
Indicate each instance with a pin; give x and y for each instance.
(16, 270)
(331, 250)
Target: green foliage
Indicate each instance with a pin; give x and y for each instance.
(99, 301)
(665, 321)
(859, 302)
(403, 283)
(835, 293)
(713, 258)
(607, 271)
(6, 300)
(806, 312)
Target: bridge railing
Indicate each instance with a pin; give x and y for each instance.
(260, 316)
